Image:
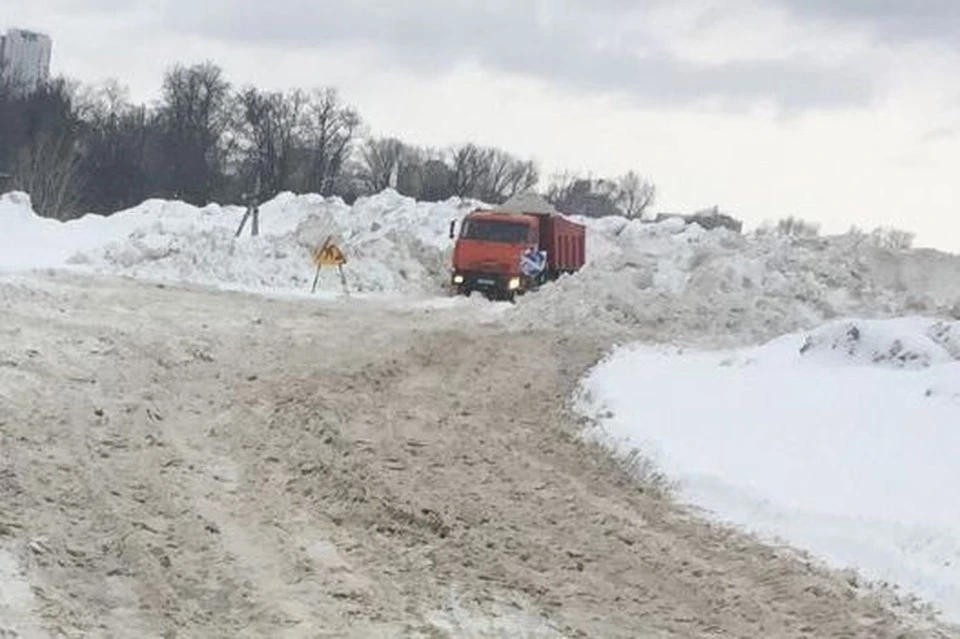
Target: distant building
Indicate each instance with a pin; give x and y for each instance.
(25, 59)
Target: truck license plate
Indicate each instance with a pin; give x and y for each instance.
(485, 281)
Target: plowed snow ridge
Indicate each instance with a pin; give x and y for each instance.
(665, 280)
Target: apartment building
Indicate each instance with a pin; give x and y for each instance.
(25, 58)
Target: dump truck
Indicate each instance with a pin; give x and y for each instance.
(503, 254)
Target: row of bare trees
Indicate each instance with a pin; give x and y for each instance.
(473, 171)
(629, 195)
(90, 149)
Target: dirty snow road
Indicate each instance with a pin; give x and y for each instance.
(185, 463)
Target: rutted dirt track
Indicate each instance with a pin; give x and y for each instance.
(182, 463)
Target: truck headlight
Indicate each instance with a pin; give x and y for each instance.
(514, 283)
(458, 279)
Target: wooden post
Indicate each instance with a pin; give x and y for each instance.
(252, 201)
(343, 279)
(243, 222)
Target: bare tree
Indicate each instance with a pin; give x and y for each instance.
(628, 195)
(418, 172)
(793, 226)
(409, 175)
(115, 159)
(491, 174)
(437, 180)
(195, 117)
(507, 175)
(330, 129)
(634, 194)
(49, 169)
(39, 134)
(560, 187)
(101, 101)
(113, 145)
(470, 164)
(577, 195)
(11, 132)
(380, 160)
(892, 238)
(270, 130)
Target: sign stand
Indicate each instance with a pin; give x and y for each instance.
(329, 254)
(252, 200)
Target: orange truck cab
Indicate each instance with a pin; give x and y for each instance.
(489, 251)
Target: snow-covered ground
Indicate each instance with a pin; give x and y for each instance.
(838, 451)
(842, 441)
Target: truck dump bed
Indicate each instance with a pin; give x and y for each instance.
(564, 241)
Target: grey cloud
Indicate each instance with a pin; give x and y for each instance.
(899, 20)
(552, 41)
(72, 8)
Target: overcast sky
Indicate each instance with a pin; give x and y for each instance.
(839, 111)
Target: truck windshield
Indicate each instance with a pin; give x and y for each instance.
(495, 231)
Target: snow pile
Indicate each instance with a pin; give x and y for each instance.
(667, 280)
(842, 441)
(898, 343)
(392, 243)
(28, 241)
(672, 280)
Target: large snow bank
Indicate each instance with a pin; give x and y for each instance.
(666, 280)
(842, 441)
(675, 281)
(393, 243)
(28, 241)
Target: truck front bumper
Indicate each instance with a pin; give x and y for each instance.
(465, 282)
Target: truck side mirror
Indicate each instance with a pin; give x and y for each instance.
(453, 226)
